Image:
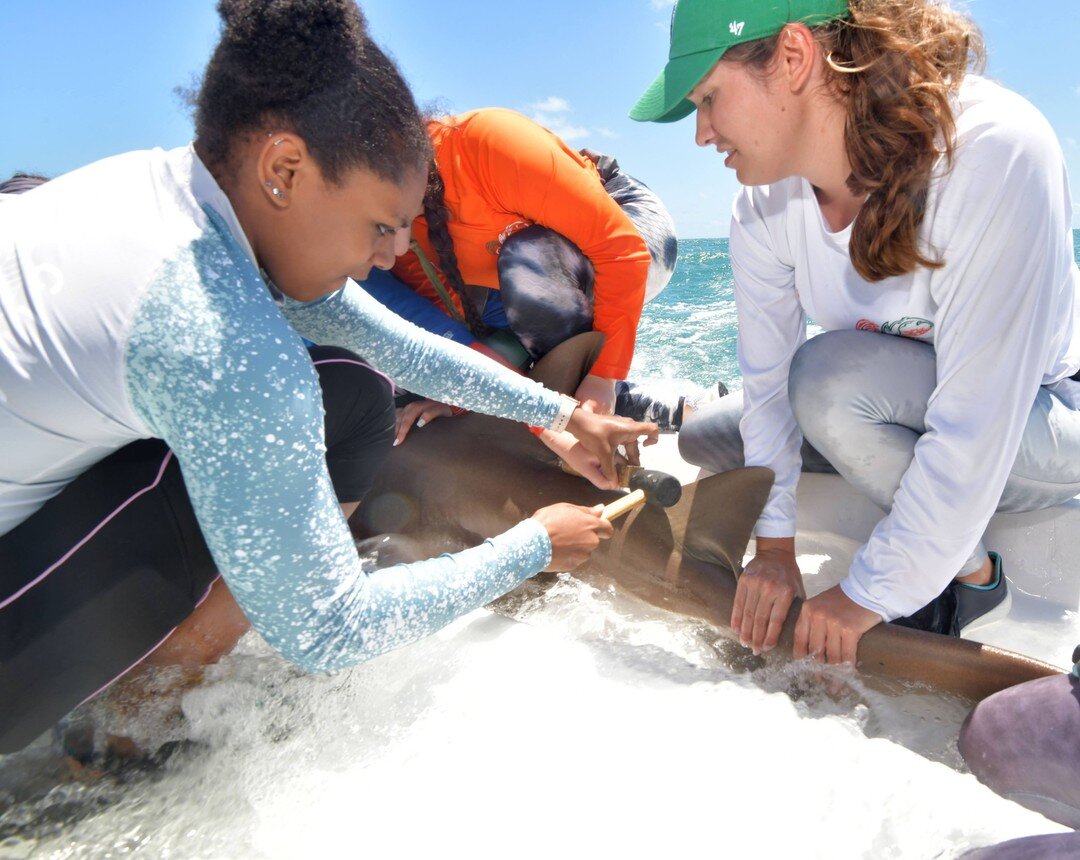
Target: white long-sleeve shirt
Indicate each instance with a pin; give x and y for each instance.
(1002, 315)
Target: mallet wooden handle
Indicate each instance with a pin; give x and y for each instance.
(624, 505)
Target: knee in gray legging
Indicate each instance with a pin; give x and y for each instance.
(818, 382)
(710, 437)
(859, 398)
(831, 385)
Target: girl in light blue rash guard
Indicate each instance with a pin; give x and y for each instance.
(162, 421)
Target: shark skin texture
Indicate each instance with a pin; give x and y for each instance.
(462, 480)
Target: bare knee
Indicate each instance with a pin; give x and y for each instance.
(205, 636)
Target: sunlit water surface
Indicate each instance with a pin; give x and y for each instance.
(592, 725)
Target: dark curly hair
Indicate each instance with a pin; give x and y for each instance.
(309, 67)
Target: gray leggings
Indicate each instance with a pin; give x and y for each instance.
(862, 418)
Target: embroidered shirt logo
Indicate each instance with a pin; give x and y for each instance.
(905, 327)
(736, 27)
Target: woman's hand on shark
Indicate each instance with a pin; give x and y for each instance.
(764, 593)
(602, 434)
(574, 455)
(830, 627)
(420, 412)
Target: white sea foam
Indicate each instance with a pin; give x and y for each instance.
(596, 726)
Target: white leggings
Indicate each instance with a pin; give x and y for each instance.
(870, 441)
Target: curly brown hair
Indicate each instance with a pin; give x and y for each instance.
(895, 64)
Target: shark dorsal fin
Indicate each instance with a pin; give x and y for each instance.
(716, 515)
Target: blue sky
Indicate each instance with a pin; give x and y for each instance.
(80, 80)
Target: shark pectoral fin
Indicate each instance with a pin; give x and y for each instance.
(685, 558)
(717, 514)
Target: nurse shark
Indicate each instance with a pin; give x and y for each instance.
(465, 479)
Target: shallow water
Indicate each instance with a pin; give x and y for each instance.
(594, 724)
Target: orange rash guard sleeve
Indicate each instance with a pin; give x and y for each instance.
(546, 183)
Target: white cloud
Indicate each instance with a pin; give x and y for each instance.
(666, 5)
(562, 128)
(607, 132)
(553, 114)
(552, 104)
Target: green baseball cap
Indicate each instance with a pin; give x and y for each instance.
(702, 30)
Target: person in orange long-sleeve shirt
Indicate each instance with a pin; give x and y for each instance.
(523, 235)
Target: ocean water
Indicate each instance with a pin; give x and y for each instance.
(572, 721)
(689, 331)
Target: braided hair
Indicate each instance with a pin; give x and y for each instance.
(437, 215)
(309, 67)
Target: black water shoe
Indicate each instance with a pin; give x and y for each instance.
(979, 605)
(938, 616)
(657, 402)
(963, 607)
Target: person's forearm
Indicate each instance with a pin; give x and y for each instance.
(420, 361)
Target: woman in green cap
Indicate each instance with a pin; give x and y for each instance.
(921, 215)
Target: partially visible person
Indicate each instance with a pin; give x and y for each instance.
(162, 420)
(1050, 846)
(20, 183)
(921, 214)
(1021, 742)
(523, 237)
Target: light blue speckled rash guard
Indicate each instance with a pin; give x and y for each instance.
(131, 307)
